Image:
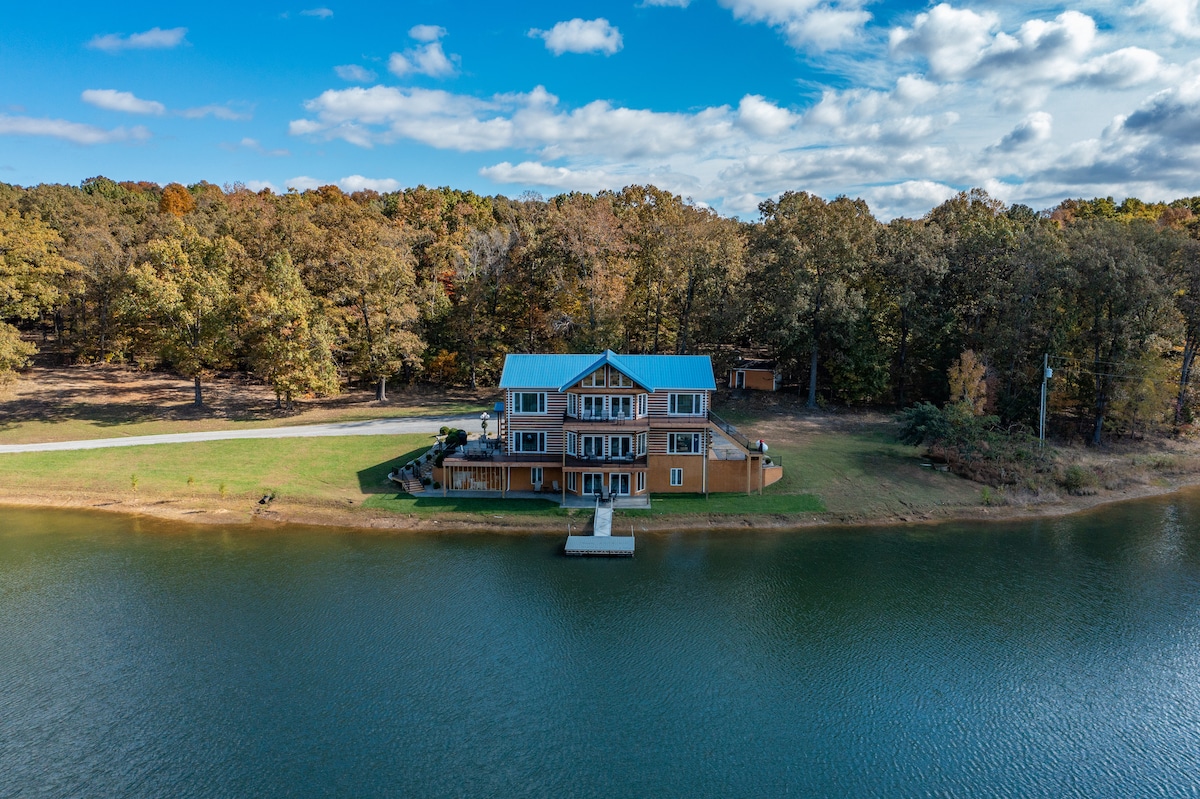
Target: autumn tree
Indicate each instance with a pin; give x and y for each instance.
(183, 298)
(31, 280)
(812, 255)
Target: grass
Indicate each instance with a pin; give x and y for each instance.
(326, 469)
(437, 505)
(729, 504)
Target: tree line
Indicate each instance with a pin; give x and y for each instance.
(311, 291)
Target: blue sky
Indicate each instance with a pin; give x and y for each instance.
(728, 102)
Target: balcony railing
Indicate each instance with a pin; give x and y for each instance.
(730, 430)
(592, 416)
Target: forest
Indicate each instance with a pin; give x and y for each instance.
(314, 291)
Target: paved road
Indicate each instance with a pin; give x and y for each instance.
(371, 427)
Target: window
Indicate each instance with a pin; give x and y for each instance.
(571, 481)
(529, 441)
(619, 380)
(641, 443)
(572, 438)
(593, 406)
(685, 405)
(622, 407)
(596, 378)
(592, 446)
(620, 447)
(593, 482)
(535, 475)
(641, 481)
(643, 403)
(677, 477)
(529, 402)
(683, 443)
(572, 404)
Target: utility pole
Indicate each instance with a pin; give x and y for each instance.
(1047, 373)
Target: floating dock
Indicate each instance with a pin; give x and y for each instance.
(613, 546)
(601, 542)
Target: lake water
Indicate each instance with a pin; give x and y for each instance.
(1061, 658)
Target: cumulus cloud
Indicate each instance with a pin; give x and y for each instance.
(355, 183)
(427, 58)
(1172, 114)
(217, 111)
(764, 118)
(581, 36)
(353, 73)
(1032, 130)
(153, 39)
(1178, 16)
(532, 173)
(961, 44)
(75, 132)
(319, 13)
(350, 184)
(113, 100)
(807, 24)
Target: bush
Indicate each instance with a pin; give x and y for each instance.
(436, 484)
(1078, 480)
(425, 481)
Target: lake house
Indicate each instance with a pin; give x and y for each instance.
(625, 425)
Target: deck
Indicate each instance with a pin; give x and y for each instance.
(620, 546)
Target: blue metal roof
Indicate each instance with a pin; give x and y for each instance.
(652, 372)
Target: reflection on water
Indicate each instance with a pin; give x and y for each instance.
(1054, 658)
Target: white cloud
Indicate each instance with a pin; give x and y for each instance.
(1178, 16)
(259, 185)
(1033, 130)
(320, 13)
(355, 183)
(426, 33)
(353, 73)
(76, 132)
(764, 118)
(667, 3)
(113, 100)
(531, 173)
(807, 24)
(581, 36)
(303, 183)
(153, 39)
(425, 59)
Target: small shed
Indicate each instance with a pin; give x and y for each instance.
(755, 375)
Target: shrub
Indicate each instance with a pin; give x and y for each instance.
(436, 484)
(1078, 480)
(425, 481)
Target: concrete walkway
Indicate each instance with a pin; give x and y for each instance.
(369, 427)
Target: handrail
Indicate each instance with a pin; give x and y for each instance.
(730, 431)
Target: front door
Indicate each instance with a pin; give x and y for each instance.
(618, 484)
(741, 380)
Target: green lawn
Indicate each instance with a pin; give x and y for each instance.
(333, 468)
(436, 505)
(729, 504)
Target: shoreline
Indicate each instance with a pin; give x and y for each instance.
(193, 512)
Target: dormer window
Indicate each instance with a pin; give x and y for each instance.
(595, 379)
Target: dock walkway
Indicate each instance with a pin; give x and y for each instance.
(601, 542)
